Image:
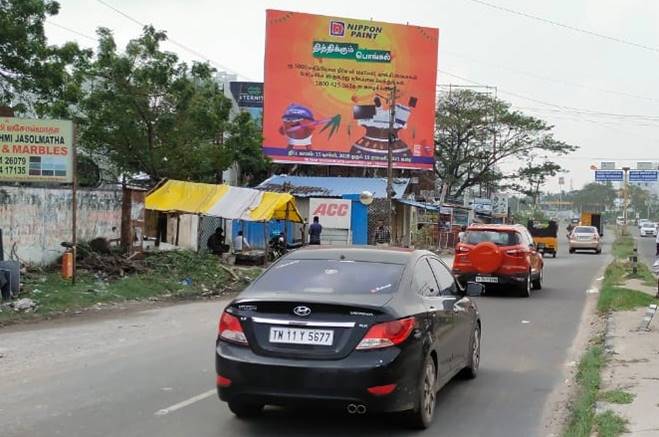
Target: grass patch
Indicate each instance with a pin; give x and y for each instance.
(613, 296)
(623, 247)
(165, 274)
(609, 424)
(617, 397)
(582, 415)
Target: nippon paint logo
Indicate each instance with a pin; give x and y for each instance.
(337, 28)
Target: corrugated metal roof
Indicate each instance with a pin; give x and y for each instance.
(319, 186)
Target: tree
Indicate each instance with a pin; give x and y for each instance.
(244, 147)
(594, 196)
(149, 113)
(34, 76)
(532, 177)
(477, 132)
(641, 200)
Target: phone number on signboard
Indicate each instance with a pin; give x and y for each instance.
(13, 165)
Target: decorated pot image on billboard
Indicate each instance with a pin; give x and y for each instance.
(329, 85)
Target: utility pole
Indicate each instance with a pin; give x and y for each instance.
(626, 196)
(390, 164)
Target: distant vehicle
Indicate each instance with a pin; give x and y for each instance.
(499, 255)
(641, 222)
(377, 330)
(593, 219)
(585, 238)
(545, 235)
(648, 229)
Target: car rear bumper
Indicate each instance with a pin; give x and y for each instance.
(585, 245)
(330, 383)
(516, 279)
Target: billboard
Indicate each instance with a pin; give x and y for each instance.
(646, 165)
(608, 165)
(36, 150)
(328, 88)
(331, 213)
(249, 97)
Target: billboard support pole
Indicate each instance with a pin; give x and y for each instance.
(390, 170)
(74, 206)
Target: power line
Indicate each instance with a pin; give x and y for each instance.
(583, 111)
(71, 30)
(553, 80)
(567, 26)
(175, 42)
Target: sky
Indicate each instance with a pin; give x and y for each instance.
(601, 95)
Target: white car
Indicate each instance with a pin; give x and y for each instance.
(648, 229)
(641, 222)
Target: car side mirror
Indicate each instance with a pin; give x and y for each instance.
(474, 289)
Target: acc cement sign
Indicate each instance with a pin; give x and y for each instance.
(36, 150)
(331, 213)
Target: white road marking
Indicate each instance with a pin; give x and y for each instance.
(186, 403)
(525, 322)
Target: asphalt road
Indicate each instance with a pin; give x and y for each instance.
(150, 373)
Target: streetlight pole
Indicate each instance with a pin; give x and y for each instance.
(626, 196)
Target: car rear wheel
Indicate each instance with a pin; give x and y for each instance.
(537, 283)
(421, 416)
(525, 288)
(245, 410)
(471, 371)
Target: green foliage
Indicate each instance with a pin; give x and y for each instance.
(593, 196)
(609, 424)
(588, 378)
(466, 154)
(617, 397)
(614, 297)
(34, 76)
(244, 147)
(148, 112)
(532, 177)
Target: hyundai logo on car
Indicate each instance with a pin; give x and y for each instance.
(302, 311)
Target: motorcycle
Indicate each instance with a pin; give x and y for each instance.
(277, 246)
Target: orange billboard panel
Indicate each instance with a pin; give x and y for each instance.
(328, 91)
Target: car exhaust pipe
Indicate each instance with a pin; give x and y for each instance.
(361, 409)
(352, 408)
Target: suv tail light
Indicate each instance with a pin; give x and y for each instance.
(231, 330)
(387, 334)
(463, 249)
(516, 252)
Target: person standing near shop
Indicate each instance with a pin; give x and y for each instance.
(382, 234)
(314, 231)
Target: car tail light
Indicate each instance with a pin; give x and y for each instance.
(382, 390)
(231, 330)
(516, 252)
(223, 381)
(463, 249)
(387, 334)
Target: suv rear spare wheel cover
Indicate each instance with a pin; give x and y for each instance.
(486, 257)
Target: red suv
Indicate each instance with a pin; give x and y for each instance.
(499, 255)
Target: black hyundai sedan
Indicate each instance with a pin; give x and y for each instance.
(362, 329)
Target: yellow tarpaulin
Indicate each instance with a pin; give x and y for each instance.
(223, 201)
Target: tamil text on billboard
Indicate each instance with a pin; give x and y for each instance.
(36, 150)
(328, 89)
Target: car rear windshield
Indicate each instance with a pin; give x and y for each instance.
(330, 277)
(584, 230)
(498, 238)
